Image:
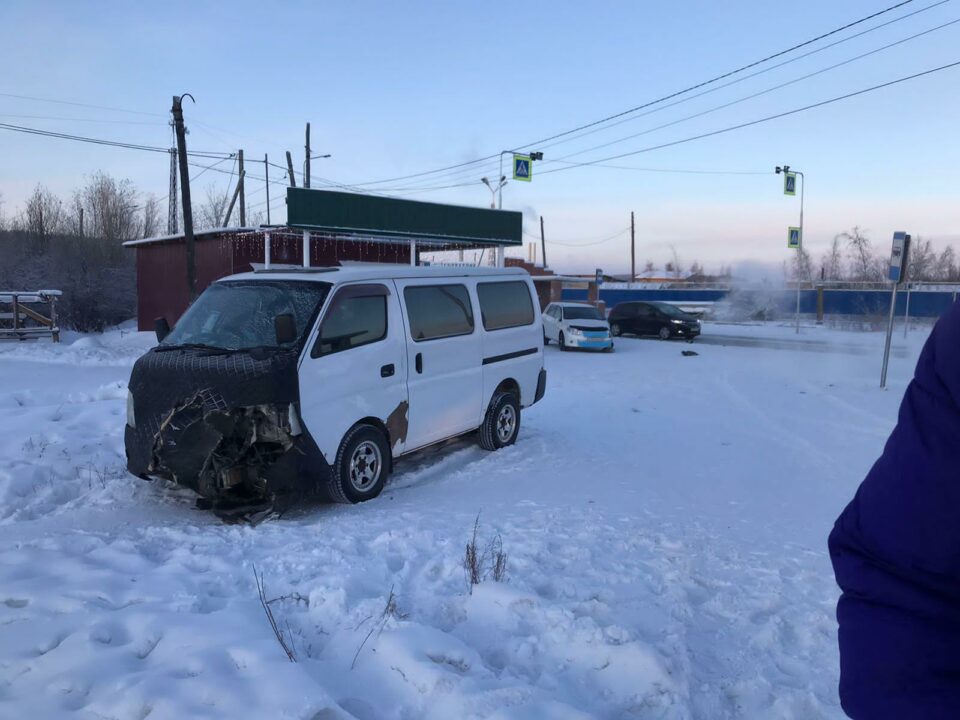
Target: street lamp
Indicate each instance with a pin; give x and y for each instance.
(494, 190)
(304, 168)
(785, 169)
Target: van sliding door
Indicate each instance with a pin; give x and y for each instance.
(444, 371)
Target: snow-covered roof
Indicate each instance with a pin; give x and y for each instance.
(374, 272)
(196, 234)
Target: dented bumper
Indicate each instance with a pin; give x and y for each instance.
(222, 424)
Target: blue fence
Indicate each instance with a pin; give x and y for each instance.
(835, 301)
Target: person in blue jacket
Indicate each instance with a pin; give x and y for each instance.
(896, 554)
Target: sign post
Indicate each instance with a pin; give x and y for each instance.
(898, 273)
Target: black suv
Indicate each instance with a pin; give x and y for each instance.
(653, 318)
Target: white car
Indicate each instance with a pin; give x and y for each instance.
(315, 381)
(576, 325)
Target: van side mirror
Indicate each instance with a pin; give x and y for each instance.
(161, 327)
(285, 328)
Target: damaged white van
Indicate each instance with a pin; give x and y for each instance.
(279, 382)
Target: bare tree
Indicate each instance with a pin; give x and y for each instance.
(3, 219)
(922, 260)
(677, 268)
(212, 212)
(946, 266)
(801, 266)
(110, 209)
(649, 267)
(833, 260)
(151, 216)
(864, 264)
(43, 214)
(696, 268)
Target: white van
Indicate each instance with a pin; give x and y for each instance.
(316, 380)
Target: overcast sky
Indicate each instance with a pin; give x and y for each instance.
(393, 89)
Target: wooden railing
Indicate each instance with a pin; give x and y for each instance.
(21, 321)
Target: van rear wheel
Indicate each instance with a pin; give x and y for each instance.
(501, 424)
(362, 465)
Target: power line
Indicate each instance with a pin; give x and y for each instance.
(587, 244)
(79, 104)
(672, 170)
(87, 120)
(759, 121)
(100, 141)
(456, 175)
(670, 96)
(761, 92)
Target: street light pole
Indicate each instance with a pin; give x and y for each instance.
(306, 165)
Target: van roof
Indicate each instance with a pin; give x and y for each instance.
(351, 273)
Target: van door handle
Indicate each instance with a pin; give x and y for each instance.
(418, 362)
(386, 370)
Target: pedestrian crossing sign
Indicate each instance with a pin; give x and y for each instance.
(793, 238)
(789, 183)
(522, 168)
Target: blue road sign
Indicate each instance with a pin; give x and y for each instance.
(522, 168)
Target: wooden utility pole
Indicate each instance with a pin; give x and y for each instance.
(306, 167)
(233, 200)
(243, 190)
(543, 244)
(293, 178)
(266, 171)
(633, 252)
(177, 111)
(81, 223)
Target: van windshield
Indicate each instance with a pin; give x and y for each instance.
(239, 314)
(573, 312)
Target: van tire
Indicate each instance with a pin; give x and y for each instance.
(366, 440)
(504, 408)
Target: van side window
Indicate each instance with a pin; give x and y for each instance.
(438, 311)
(505, 304)
(357, 316)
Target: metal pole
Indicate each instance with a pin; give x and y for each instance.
(803, 183)
(306, 248)
(243, 189)
(633, 254)
(266, 172)
(306, 170)
(906, 316)
(266, 250)
(886, 347)
(500, 181)
(413, 252)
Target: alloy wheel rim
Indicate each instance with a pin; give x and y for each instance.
(506, 423)
(365, 466)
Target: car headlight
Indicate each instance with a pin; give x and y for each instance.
(574, 331)
(131, 420)
(677, 322)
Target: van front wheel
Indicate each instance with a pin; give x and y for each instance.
(501, 424)
(362, 465)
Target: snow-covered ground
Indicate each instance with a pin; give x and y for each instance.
(664, 519)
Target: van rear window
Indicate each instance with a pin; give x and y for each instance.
(438, 311)
(505, 304)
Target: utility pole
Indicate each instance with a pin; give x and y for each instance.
(543, 244)
(172, 193)
(293, 179)
(266, 171)
(306, 172)
(233, 200)
(633, 252)
(243, 190)
(81, 223)
(177, 111)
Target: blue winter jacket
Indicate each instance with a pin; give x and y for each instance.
(896, 554)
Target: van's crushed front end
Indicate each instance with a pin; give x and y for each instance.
(225, 424)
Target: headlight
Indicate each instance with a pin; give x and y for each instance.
(574, 331)
(677, 322)
(131, 420)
